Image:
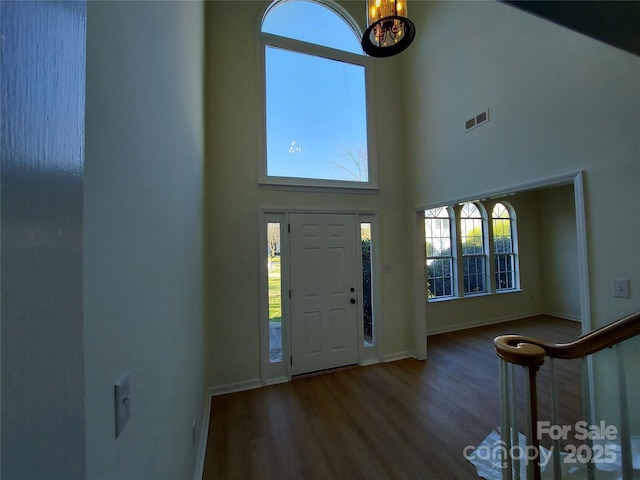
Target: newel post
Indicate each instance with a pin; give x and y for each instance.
(515, 349)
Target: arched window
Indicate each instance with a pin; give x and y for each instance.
(473, 250)
(437, 226)
(315, 97)
(504, 247)
(464, 246)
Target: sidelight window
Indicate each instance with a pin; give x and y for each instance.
(274, 273)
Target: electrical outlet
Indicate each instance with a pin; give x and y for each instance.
(123, 402)
(620, 287)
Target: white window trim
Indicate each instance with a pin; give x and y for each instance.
(273, 372)
(485, 255)
(302, 184)
(514, 250)
(488, 254)
(370, 354)
(451, 216)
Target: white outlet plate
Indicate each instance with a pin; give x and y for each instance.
(123, 402)
(620, 287)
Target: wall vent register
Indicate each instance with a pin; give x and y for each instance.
(478, 120)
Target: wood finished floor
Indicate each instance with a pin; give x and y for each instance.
(401, 420)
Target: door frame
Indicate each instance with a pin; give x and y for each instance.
(279, 372)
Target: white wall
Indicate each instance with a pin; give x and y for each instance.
(558, 252)
(559, 102)
(143, 231)
(234, 196)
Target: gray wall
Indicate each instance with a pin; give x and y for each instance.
(42, 139)
(143, 236)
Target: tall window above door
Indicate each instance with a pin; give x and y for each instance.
(315, 98)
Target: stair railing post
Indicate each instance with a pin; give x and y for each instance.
(531, 352)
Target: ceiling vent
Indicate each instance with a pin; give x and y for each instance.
(477, 120)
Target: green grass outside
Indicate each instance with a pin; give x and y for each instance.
(275, 291)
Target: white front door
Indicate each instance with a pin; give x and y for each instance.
(324, 310)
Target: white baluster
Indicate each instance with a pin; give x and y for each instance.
(515, 438)
(527, 421)
(555, 420)
(625, 437)
(505, 420)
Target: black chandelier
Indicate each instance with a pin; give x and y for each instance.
(389, 31)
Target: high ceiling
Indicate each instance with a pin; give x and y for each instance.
(616, 23)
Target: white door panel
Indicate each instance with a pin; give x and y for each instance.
(324, 315)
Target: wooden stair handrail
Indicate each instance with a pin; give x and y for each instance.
(530, 351)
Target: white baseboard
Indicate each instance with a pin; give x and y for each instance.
(277, 380)
(479, 323)
(485, 323)
(392, 357)
(565, 316)
(204, 437)
(206, 418)
(235, 387)
(369, 361)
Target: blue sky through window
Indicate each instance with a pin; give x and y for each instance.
(316, 107)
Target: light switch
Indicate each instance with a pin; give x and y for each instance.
(123, 402)
(620, 287)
